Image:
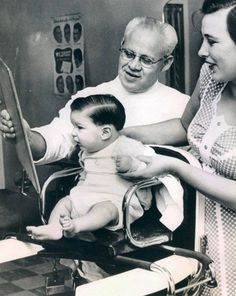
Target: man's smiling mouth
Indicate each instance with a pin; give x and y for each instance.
(132, 74)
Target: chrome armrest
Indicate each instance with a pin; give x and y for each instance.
(148, 241)
(60, 174)
(204, 276)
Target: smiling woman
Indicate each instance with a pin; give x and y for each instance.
(209, 122)
(218, 48)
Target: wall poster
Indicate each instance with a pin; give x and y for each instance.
(67, 35)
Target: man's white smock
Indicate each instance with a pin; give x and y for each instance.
(158, 103)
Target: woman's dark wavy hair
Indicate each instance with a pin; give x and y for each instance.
(103, 109)
(210, 6)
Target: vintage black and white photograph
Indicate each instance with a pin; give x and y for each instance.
(118, 147)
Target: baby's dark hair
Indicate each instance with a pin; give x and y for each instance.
(103, 109)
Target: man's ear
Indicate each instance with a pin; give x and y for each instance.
(106, 132)
(167, 63)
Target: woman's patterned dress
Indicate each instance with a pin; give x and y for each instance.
(215, 142)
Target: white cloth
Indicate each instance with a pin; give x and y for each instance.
(169, 201)
(168, 197)
(158, 103)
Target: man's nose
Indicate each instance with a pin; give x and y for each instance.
(135, 64)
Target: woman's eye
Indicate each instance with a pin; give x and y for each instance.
(211, 42)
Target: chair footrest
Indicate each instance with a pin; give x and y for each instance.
(106, 243)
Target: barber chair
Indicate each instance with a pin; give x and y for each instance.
(139, 249)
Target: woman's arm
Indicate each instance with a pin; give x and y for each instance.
(215, 187)
(170, 132)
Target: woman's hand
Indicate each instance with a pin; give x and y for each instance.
(157, 165)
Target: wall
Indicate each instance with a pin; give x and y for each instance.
(194, 40)
(188, 51)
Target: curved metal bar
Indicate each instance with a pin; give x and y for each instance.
(193, 282)
(54, 176)
(204, 259)
(126, 215)
(206, 273)
(206, 277)
(212, 274)
(168, 276)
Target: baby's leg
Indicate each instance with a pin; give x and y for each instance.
(99, 216)
(53, 230)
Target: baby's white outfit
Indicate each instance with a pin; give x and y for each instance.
(100, 181)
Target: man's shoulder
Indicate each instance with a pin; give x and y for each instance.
(170, 91)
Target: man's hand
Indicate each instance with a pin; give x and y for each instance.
(7, 127)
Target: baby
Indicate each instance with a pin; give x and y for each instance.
(96, 201)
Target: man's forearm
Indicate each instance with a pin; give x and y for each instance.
(37, 144)
(169, 132)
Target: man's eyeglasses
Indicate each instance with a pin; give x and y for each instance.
(144, 60)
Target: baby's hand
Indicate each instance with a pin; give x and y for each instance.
(67, 226)
(65, 222)
(123, 163)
